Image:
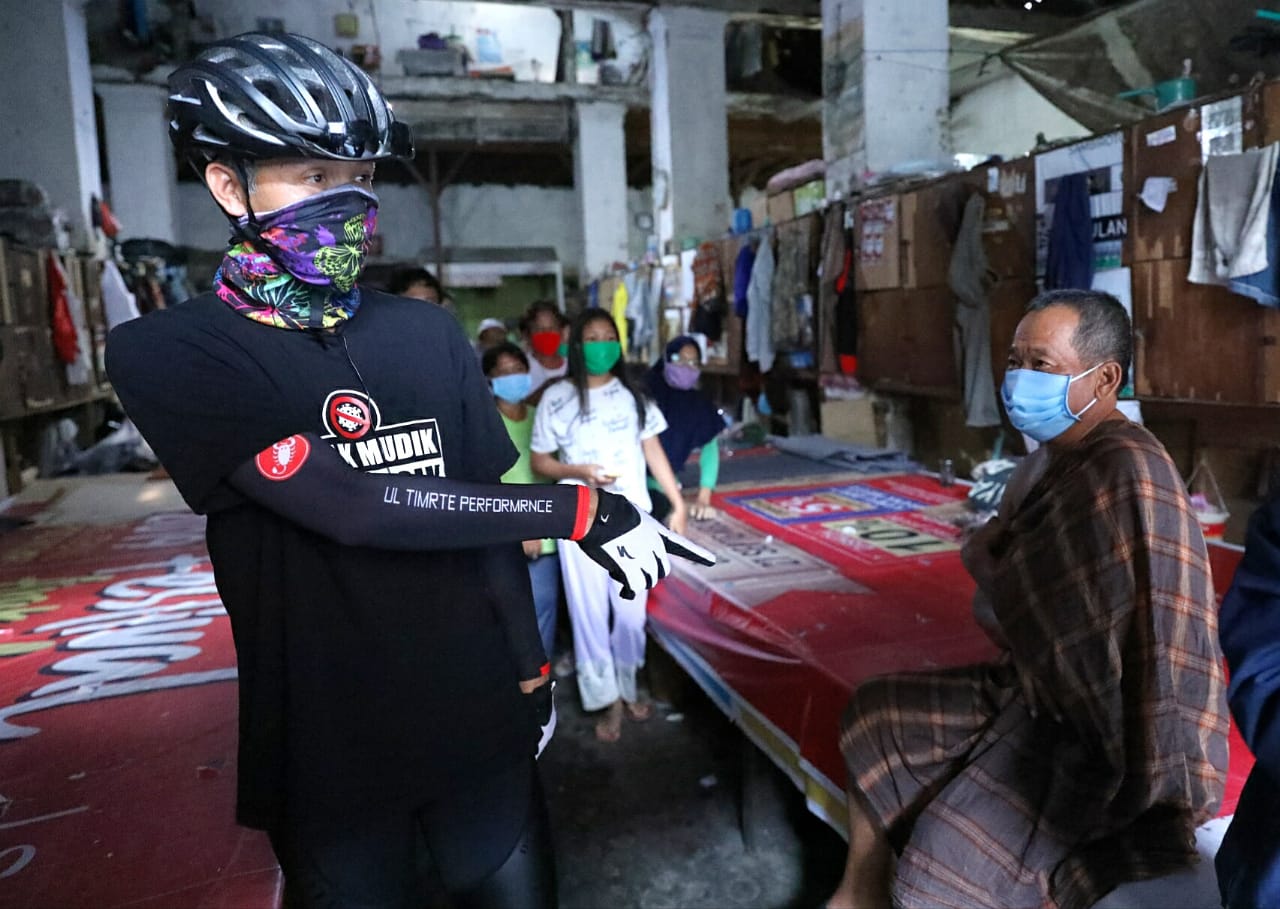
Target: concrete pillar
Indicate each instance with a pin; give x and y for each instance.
(141, 175)
(600, 177)
(690, 127)
(886, 86)
(46, 93)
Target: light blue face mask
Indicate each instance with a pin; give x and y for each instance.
(1037, 402)
(513, 388)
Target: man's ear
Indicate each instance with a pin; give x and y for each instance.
(1110, 380)
(224, 186)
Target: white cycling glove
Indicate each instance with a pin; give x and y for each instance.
(633, 547)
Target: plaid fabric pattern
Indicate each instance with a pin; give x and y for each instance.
(1089, 752)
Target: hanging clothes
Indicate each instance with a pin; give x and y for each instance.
(68, 343)
(759, 341)
(637, 287)
(1229, 233)
(742, 276)
(618, 309)
(969, 278)
(847, 312)
(118, 302)
(1264, 286)
(1070, 259)
(832, 264)
(653, 302)
(792, 311)
(708, 292)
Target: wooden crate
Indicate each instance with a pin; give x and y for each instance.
(26, 297)
(1201, 342)
(1009, 301)
(1166, 146)
(905, 340)
(930, 221)
(1009, 223)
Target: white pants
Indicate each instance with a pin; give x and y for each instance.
(607, 660)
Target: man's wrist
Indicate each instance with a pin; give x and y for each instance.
(588, 505)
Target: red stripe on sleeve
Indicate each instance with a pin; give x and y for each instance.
(580, 519)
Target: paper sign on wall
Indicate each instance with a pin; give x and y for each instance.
(1222, 127)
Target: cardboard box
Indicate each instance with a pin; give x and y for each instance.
(930, 221)
(853, 421)
(877, 244)
(781, 207)
(759, 208)
(809, 197)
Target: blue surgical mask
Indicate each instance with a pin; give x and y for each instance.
(513, 388)
(1037, 402)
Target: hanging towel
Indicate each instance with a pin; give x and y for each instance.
(1070, 261)
(759, 342)
(1264, 286)
(1229, 234)
(968, 277)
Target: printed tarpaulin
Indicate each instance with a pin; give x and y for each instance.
(118, 723)
(820, 584)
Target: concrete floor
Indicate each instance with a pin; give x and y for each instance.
(653, 820)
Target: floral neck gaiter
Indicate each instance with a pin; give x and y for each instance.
(302, 271)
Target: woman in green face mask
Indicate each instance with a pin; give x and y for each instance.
(594, 427)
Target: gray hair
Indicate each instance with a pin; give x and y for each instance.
(1104, 332)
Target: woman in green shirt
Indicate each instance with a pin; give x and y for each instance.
(507, 369)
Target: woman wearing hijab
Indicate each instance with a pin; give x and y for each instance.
(693, 422)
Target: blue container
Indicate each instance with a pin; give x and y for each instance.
(741, 220)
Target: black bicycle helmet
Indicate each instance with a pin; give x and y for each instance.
(281, 96)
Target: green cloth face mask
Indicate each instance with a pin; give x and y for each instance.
(600, 356)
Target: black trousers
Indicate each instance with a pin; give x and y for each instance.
(490, 846)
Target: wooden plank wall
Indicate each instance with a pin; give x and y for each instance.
(1207, 362)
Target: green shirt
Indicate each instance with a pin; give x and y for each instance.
(521, 432)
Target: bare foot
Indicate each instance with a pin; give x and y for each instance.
(609, 726)
(639, 710)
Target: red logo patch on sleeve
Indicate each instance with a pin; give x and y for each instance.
(283, 459)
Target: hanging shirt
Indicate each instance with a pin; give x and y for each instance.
(742, 277)
(759, 341)
(968, 279)
(1070, 257)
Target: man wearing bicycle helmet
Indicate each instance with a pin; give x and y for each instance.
(347, 451)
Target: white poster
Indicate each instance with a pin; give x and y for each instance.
(1102, 159)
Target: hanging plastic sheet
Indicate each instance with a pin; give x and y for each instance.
(1084, 69)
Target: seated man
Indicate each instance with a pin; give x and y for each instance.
(1249, 861)
(1087, 753)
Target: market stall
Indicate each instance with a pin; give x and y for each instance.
(826, 579)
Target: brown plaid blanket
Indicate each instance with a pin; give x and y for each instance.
(1088, 753)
